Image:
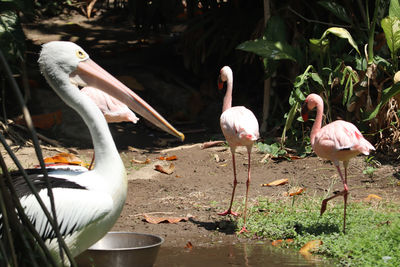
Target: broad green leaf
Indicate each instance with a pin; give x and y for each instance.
(319, 46)
(394, 9)
(391, 27)
(386, 95)
(339, 32)
(275, 30)
(316, 78)
(300, 79)
(343, 33)
(12, 38)
(268, 49)
(291, 115)
(336, 9)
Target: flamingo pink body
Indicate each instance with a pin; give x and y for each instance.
(336, 141)
(240, 128)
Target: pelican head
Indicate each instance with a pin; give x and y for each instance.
(66, 66)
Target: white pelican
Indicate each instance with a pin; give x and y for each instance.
(87, 202)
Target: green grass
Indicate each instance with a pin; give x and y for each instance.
(372, 232)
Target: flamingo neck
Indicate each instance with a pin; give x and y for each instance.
(228, 95)
(318, 121)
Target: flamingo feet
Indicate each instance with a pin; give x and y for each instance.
(323, 206)
(243, 230)
(325, 201)
(229, 211)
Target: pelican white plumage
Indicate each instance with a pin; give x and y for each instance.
(87, 203)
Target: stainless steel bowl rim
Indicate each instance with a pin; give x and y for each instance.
(132, 248)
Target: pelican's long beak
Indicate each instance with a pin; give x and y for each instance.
(91, 74)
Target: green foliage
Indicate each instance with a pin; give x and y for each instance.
(12, 38)
(275, 149)
(394, 9)
(372, 237)
(268, 49)
(211, 37)
(369, 170)
(371, 166)
(355, 86)
(391, 27)
(272, 46)
(52, 8)
(336, 9)
(339, 32)
(387, 94)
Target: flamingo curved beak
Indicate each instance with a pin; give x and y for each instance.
(220, 83)
(88, 73)
(304, 111)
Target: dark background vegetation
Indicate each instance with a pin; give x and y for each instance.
(213, 34)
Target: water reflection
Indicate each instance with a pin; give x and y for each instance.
(233, 255)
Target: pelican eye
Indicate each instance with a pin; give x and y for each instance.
(80, 54)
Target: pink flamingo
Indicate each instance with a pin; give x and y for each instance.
(337, 141)
(240, 128)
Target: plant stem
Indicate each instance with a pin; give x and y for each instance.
(372, 34)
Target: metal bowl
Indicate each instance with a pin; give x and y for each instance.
(122, 249)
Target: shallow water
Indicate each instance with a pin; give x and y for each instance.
(234, 255)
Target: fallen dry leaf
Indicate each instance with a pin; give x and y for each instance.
(132, 149)
(295, 191)
(280, 241)
(265, 158)
(146, 161)
(189, 245)
(292, 157)
(211, 144)
(168, 158)
(216, 158)
(168, 170)
(64, 158)
(310, 246)
(157, 220)
(277, 182)
(371, 197)
(89, 7)
(384, 223)
(43, 121)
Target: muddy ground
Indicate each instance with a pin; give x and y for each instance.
(200, 186)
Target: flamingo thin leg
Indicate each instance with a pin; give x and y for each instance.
(343, 193)
(229, 210)
(245, 203)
